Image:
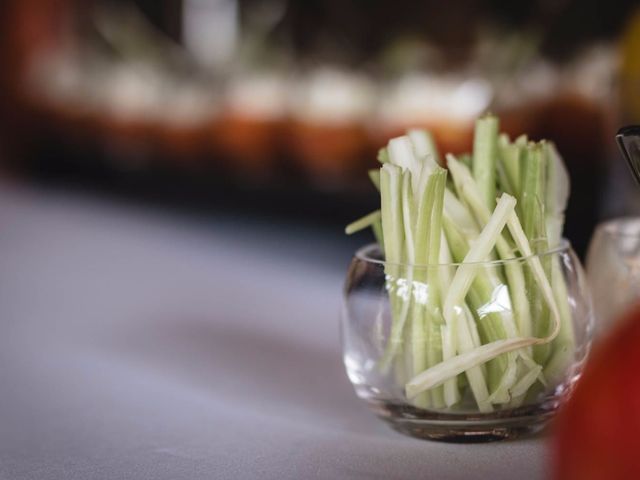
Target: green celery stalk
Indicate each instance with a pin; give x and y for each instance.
(434, 314)
(534, 227)
(454, 366)
(364, 222)
(383, 155)
(393, 232)
(557, 194)
(468, 337)
(510, 162)
(451, 391)
(563, 346)
(485, 152)
(374, 176)
(424, 146)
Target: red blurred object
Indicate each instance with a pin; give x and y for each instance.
(598, 430)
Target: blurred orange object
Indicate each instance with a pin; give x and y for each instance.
(329, 151)
(250, 142)
(597, 433)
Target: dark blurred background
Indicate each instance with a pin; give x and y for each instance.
(274, 109)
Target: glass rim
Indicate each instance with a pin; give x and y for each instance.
(364, 254)
(617, 227)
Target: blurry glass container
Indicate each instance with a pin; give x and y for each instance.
(393, 330)
(613, 269)
(327, 133)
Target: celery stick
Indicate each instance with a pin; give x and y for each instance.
(434, 316)
(377, 233)
(480, 294)
(525, 382)
(451, 392)
(460, 216)
(391, 212)
(424, 146)
(485, 152)
(408, 217)
(510, 162)
(467, 271)
(418, 333)
(448, 332)
(480, 250)
(534, 226)
(468, 341)
(393, 231)
(522, 141)
(533, 197)
(468, 338)
(466, 159)
(400, 151)
(447, 369)
(383, 155)
(557, 194)
(374, 176)
(419, 327)
(564, 344)
(364, 222)
(515, 276)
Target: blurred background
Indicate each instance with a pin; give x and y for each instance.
(175, 178)
(274, 109)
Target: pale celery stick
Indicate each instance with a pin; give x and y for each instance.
(467, 338)
(479, 251)
(447, 369)
(460, 216)
(468, 189)
(424, 145)
(391, 212)
(526, 381)
(434, 315)
(467, 271)
(557, 194)
(451, 392)
(364, 222)
(502, 373)
(374, 176)
(532, 208)
(400, 151)
(420, 328)
(418, 334)
(466, 159)
(383, 155)
(408, 217)
(564, 344)
(449, 336)
(485, 153)
(391, 202)
(533, 195)
(377, 232)
(510, 161)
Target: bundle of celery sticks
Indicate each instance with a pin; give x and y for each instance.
(480, 314)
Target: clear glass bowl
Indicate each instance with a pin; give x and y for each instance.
(613, 270)
(398, 320)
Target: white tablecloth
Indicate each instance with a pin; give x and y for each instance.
(139, 344)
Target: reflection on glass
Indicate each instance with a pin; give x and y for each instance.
(613, 269)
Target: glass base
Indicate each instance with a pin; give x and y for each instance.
(465, 428)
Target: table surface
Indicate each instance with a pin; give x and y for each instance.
(143, 344)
